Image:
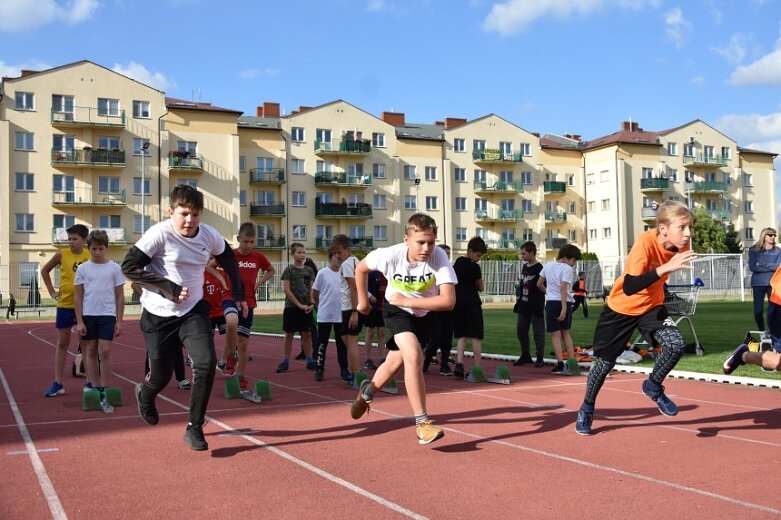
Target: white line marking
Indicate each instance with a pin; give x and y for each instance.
(24, 452)
(52, 500)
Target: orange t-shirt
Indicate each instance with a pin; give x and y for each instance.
(646, 254)
(775, 287)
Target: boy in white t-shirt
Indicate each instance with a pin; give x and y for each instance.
(327, 296)
(99, 303)
(555, 279)
(420, 279)
(352, 322)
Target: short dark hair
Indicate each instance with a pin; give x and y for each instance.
(569, 251)
(477, 245)
(296, 245)
(78, 229)
(186, 196)
(341, 240)
(97, 236)
(420, 222)
(529, 247)
(247, 229)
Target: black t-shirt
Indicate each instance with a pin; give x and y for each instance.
(467, 272)
(532, 301)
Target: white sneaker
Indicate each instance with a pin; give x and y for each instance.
(184, 384)
(107, 408)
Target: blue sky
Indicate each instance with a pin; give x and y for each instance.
(558, 66)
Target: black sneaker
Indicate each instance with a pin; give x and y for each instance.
(444, 370)
(558, 369)
(148, 412)
(585, 418)
(319, 374)
(523, 360)
(655, 391)
(426, 363)
(369, 364)
(283, 367)
(345, 375)
(301, 356)
(194, 437)
(459, 371)
(539, 363)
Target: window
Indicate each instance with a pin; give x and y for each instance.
(25, 141)
(324, 197)
(298, 166)
(357, 231)
(590, 178)
(481, 205)
(572, 235)
(264, 231)
(299, 232)
(431, 173)
(242, 163)
(592, 206)
(380, 232)
(647, 173)
(137, 223)
(605, 204)
(141, 109)
(459, 175)
(482, 233)
(606, 232)
(460, 203)
(323, 135)
(726, 154)
(264, 164)
(108, 185)
(461, 233)
(298, 199)
(525, 149)
(409, 172)
(63, 143)
(410, 202)
(355, 173)
(28, 274)
(108, 142)
(108, 107)
(672, 175)
(688, 150)
(748, 206)
(25, 101)
(378, 139)
(63, 221)
(264, 198)
(592, 234)
(571, 208)
(242, 197)
(506, 176)
(191, 147)
(526, 206)
(379, 201)
(526, 178)
(749, 233)
(378, 170)
(431, 203)
(479, 175)
(138, 146)
(63, 105)
(672, 148)
(25, 181)
(747, 180)
(297, 134)
(324, 232)
(189, 182)
(689, 175)
(707, 152)
(108, 221)
(604, 176)
(505, 148)
(478, 145)
(527, 235)
(137, 186)
(648, 202)
(25, 222)
(459, 145)
(507, 205)
(64, 184)
(570, 179)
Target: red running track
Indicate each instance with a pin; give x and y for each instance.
(509, 451)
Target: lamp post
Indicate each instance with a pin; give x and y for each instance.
(144, 148)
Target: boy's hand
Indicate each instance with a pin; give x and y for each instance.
(243, 309)
(81, 329)
(117, 328)
(183, 295)
(563, 315)
(55, 294)
(364, 307)
(307, 309)
(681, 261)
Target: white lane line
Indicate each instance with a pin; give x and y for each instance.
(24, 452)
(49, 493)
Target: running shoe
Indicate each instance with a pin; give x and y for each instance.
(428, 433)
(734, 360)
(656, 392)
(283, 367)
(148, 412)
(105, 406)
(585, 418)
(184, 384)
(195, 439)
(54, 390)
(87, 387)
(360, 405)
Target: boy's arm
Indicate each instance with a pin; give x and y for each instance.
(541, 284)
(133, 269)
(361, 281)
(217, 274)
(267, 274)
(46, 276)
(119, 296)
(444, 301)
(290, 296)
(563, 294)
(227, 261)
(78, 307)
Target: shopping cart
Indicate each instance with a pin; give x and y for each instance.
(681, 303)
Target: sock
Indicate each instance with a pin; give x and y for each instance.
(420, 418)
(286, 360)
(309, 359)
(368, 395)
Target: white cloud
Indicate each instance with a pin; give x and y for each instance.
(22, 15)
(698, 80)
(15, 70)
(376, 5)
(765, 71)
(254, 73)
(677, 27)
(513, 16)
(735, 51)
(141, 74)
(752, 128)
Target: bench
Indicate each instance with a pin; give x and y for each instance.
(20, 310)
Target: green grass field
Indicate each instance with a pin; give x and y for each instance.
(720, 326)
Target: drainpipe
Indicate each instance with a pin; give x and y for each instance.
(618, 207)
(288, 229)
(159, 167)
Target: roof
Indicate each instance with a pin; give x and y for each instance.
(420, 131)
(260, 123)
(624, 137)
(181, 104)
(559, 142)
(751, 150)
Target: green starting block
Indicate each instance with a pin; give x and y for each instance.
(232, 389)
(571, 368)
(263, 389)
(91, 398)
(477, 375)
(261, 392)
(391, 388)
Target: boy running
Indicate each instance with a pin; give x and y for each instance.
(420, 279)
(297, 281)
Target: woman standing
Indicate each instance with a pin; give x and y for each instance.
(763, 260)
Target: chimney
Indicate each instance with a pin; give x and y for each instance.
(259, 111)
(635, 127)
(439, 123)
(451, 122)
(26, 73)
(393, 118)
(302, 109)
(270, 109)
(625, 126)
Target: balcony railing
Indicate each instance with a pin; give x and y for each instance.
(707, 187)
(505, 243)
(267, 210)
(355, 242)
(510, 215)
(554, 187)
(719, 214)
(701, 159)
(500, 186)
(271, 242)
(358, 210)
(115, 235)
(87, 197)
(344, 146)
(654, 184)
(555, 243)
(187, 163)
(342, 179)
(493, 155)
(266, 175)
(89, 158)
(87, 116)
(556, 218)
(648, 213)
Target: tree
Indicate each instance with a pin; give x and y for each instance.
(708, 234)
(731, 240)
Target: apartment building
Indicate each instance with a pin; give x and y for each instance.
(80, 144)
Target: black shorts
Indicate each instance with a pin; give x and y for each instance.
(468, 321)
(373, 319)
(346, 330)
(398, 320)
(552, 312)
(614, 330)
(296, 320)
(99, 327)
(164, 335)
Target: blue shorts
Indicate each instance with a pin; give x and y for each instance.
(552, 312)
(66, 318)
(245, 324)
(99, 327)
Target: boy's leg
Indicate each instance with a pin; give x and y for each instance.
(89, 350)
(538, 330)
(412, 359)
(673, 345)
(522, 324)
(105, 367)
(244, 332)
(567, 337)
(63, 340)
(199, 340)
(555, 338)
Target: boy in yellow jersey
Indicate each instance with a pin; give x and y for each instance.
(68, 259)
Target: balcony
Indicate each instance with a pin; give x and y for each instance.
(499, 187)
(115, 235)
(355, 242)
(360, 147)
(87, 117)
(705, 160)
(505, 243)
(325, 179)
(267, 176)
(509, 215)
(267, 210)
(271, 242)
(648, 213)
(552, 217)
(87, 197)
(654, 184)
(719, 214)
(495, 156)
(554, 187)
(357, 210)
(184, 162)
(555, 243)
(88, 158)
(707, 187)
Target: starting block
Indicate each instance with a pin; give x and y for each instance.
(261, 392)
(571, 368)
(91, 398)
(391, 388)
(477, 375)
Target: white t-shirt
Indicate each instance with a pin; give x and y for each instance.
(328, 284)
(416, 279)
(347, 271)
(180, 259)
(100, 282)
(555, 274)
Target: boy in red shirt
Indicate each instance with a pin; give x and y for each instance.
(223, 315)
